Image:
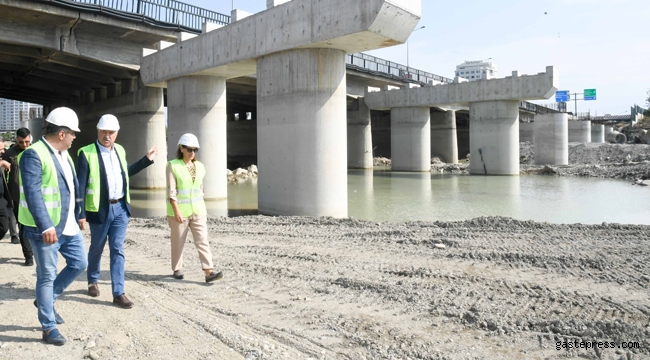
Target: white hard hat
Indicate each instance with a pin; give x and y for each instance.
(63, 116)
(108, 122)
(189, 140)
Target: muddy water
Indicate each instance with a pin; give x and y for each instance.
(382, 195)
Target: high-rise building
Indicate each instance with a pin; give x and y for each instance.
(15, 114)
(477, 70)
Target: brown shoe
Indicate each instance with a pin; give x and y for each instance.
(123, 302)
(213, 276)
(93, 290)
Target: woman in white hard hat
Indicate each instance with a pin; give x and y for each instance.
(186, 208)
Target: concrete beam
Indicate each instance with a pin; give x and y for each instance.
(525, 87)
(232, 50)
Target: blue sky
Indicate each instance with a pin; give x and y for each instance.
(602, 44)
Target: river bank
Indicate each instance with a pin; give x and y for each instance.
(322, 288)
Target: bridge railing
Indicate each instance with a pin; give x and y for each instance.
(374, 64)
(164, 13)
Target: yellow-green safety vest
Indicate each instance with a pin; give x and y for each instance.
(49, 187)
(94, 182)
(189, 196)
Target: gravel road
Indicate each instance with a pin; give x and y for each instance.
(321, 288)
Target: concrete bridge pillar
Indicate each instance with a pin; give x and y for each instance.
(551, 139)
(444, 142)
(526, 131)
(301, 132)
(410, 139)
(142, 125)
(359, 138)
(580, 131)
(197, 105)
(598, 133)
(494, 137)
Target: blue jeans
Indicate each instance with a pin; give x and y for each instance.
(49, 285)
(115, 229)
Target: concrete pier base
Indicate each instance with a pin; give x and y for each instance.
(359, 137)
(551, 139)
(580, 131)
(444, 142)
(527, 131)
(197, 105)
(301, 132)
(597, 133)
(494, 137)
(410, 139)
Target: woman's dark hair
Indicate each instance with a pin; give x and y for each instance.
(179, 154)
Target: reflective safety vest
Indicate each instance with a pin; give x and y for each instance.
(189, 196)
(49, 187)
(94, 182)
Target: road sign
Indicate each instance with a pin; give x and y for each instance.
(562, 96)
(590, 94)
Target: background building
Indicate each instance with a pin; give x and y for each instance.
(477, 70)
(15, 114)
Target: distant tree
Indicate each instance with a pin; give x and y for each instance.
(7, 136)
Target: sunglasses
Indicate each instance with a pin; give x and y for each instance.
(193, 150)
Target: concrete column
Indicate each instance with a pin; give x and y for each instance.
(140, 129)
(301, 132)
(598, 133)
(359, 138)
(444, 141)
(526, 132)
(494, 137)
(580, 131)
(142, 125)
(410, 139)
(551, 139)
(197, 105)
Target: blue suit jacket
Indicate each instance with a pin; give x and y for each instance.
(84, 173)
(32, 176)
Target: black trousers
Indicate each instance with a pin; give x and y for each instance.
(26, 245)
(4, 220)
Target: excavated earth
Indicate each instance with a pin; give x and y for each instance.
(322, 288)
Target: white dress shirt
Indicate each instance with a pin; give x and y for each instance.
(71, 226)
(113, 172)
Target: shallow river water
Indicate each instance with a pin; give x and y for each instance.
(382, 195)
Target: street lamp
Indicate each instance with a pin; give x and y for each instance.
(407, 45)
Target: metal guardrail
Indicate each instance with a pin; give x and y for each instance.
(537, 109)
(372, 64)
(169, 14)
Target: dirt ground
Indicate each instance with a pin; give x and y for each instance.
(307, 288)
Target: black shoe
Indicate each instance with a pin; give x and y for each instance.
(178, 275)
(29, 262)
(213, 276)
(15, 240)
(53, 337)
(57, 318)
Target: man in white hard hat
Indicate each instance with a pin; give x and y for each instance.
(49, 212)
(104, 179)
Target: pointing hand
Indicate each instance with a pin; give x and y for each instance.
(152, 153)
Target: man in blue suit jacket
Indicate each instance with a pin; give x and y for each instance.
(49, 212)
(104, 179)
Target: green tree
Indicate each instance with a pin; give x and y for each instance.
(7, 136)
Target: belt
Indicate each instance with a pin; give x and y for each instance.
(114, 201)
